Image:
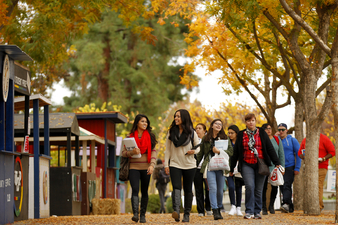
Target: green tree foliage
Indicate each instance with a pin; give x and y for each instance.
(112, 64)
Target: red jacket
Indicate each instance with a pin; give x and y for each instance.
(325, 147)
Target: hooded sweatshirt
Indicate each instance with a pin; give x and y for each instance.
(291, 147)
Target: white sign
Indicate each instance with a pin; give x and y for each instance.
(331, 180)
(5, 78)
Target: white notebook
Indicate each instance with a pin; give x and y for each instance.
(221, 144)
(130, 144)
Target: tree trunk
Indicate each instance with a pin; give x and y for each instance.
(334, 109)
(311, 201)
(102, 79)
(298, 184)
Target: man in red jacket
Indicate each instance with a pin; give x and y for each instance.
(326, 151)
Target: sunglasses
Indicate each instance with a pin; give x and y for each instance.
(282, 130)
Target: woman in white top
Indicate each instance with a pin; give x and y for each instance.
(201, 130)
(179, 159)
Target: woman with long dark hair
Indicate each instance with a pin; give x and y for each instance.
(141, 168)
(215, 178)
(180, 161)
(252, 143)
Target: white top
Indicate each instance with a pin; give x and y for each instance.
(177, 156)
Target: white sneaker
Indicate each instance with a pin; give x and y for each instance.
(232, 210)
(209, 213)
(200, 214)
(239, 213)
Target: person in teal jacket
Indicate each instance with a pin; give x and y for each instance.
(278, 146)
(216, 178)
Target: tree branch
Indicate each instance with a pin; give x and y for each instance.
(257, 41)
(276, 24)
(324, 85)
(306, 27)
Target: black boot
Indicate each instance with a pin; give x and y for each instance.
(134, 205)
(176, 198)
(216, 214)
(271, 209)
(272, 202)
(220, 214)
(144, 204)
(187, 206)
(264, 210)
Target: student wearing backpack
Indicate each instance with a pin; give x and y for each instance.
(180, 161)
(215, 178)
(278, 146)
(141, 168)
(161, 182)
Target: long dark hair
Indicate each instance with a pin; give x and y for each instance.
(186, 122)
(221, 134)
(134, 128)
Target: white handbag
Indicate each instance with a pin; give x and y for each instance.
(276, 177)
(219, 162)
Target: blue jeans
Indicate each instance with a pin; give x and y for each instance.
(234, 189)
(287, 187)
(254, 183)
(216, 183)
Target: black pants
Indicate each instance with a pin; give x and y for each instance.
(135, 176)
(287, 187)
(161, 192)
(198, 183)
(176, 178)
(274, 190)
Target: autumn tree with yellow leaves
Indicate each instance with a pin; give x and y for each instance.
(287, 43)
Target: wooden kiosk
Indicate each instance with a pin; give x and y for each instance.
(65, 125)
(103, 125)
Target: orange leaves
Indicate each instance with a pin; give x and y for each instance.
(188, 81)
(327, 217)
(3, 14)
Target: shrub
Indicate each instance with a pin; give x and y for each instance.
(127, 205)
(154, 203)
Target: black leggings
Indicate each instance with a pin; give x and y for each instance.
(176, 178)
(135, 176)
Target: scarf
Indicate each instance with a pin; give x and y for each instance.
(177, 139)
(252, 141)
(144, 144)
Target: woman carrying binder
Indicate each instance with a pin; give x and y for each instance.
(180, 161)
(141, 168)
(215, 178)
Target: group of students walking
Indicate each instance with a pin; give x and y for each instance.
(187, 155)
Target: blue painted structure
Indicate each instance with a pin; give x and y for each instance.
(7, 148)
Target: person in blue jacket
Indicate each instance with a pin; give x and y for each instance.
(292, 166)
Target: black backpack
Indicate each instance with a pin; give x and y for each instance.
(163, 178)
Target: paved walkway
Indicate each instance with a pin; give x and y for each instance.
(327, 217)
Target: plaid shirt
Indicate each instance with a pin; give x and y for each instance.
(248, 155)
